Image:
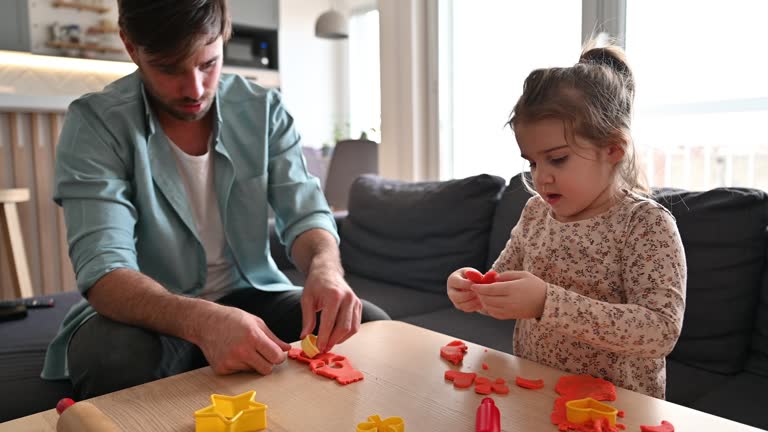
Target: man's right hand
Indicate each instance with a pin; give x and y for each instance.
(234, 340)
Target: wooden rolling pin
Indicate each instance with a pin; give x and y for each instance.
(82, 417)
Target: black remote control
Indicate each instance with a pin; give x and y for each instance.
(29, 303)
(13, 312)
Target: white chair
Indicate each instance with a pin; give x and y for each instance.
(350, 159)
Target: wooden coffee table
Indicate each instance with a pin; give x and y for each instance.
(403, 377)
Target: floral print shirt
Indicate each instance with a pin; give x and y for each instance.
(615, 291)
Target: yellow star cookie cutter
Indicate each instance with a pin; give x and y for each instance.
(309, 346)
(376, 424)
(232, 414)
(580, 411)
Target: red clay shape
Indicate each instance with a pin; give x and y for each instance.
(483, 386)
(479, 278)
(454, 351)
(339, 369)
(328, 365)
(529, 384)
(500, 387)
(460, 379)
(485, 366)
(665, 426)
(578, 387)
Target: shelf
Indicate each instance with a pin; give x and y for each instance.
(86, 47)
(80, 6)
(101, 30)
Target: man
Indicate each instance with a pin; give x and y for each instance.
(165, 178)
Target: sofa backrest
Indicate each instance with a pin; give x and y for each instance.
(724, 235)
(723, 232)
(416, 234)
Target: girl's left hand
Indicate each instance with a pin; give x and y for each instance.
(514, 295)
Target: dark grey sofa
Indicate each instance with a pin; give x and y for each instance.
(400, 241)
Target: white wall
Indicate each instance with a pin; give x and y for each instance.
(313, 72)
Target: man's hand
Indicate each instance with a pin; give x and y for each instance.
(460, 293)
(326, 291)
(234, 340)
(514, 295)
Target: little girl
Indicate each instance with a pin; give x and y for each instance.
(594, 272)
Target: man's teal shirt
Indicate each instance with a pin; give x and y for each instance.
(125, 204)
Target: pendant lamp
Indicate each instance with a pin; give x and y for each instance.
(332, 24)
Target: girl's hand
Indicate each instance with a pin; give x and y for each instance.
(514, 295)
(463, 298)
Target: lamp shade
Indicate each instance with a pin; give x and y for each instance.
(332, 25)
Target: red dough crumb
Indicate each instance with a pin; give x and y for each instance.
(460, 379)
(485, 366)
(529, 384)
(454, 351)
(620, 413)
(578, 387)
(665, 426)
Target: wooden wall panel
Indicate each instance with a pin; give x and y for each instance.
(6, 182)
(27, 154)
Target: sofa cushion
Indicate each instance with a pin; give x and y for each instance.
(686, 384)
(723, 232)
(758, 357)
(22, 349)
(416, 234)
(740, 398)
(388, 296)
(472, 327)
(505, 217)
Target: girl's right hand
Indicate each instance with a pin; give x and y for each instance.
(463, 298)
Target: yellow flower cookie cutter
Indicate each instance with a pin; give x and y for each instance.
(580, 411)
(376, 424)
(232, 414)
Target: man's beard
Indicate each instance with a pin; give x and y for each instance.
(170, 109)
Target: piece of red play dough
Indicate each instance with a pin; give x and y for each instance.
(338, 368)
(500, 388)
(578, 387)
(529, 384)
(665, 426)
(479, 278)
(460, 379)
(454, 351)
(489, 277)
(328, 365)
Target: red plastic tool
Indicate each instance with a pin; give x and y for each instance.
(488, 417)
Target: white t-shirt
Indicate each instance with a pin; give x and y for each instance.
(197, 174)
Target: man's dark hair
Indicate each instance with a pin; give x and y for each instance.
(174, 28)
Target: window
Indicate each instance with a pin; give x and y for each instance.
(702, 96)
(364, 84)
(494, 45)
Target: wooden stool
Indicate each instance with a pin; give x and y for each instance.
(14, 242)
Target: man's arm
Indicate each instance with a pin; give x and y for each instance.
(316, 253)
(240, 341)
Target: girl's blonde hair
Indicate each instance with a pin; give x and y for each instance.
(594, 100)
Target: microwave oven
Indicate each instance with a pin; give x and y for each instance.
(252, 47)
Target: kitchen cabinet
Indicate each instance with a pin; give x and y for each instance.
(256, 13)
(14, 26)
